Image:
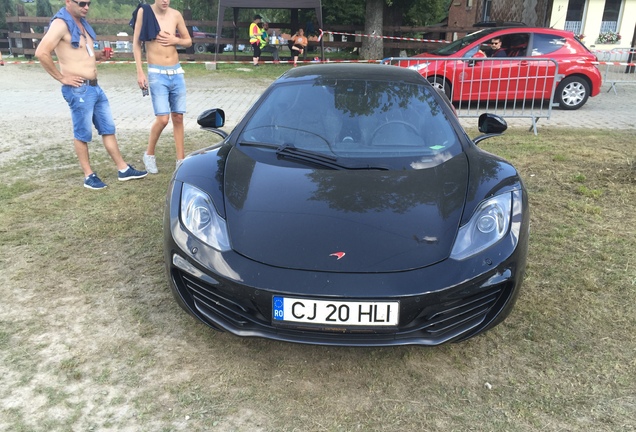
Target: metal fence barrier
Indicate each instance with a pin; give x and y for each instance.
(619, 67)
(519, 87)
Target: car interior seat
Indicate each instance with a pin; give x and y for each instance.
(518, 45)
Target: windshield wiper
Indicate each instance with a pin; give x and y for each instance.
(290, 151)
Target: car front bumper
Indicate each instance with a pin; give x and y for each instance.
(445, 302)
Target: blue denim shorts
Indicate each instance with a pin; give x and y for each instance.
(89, 106)
(167, 89)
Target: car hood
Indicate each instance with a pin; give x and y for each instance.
(299, 217)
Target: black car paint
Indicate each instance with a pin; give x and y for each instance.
(245, 286)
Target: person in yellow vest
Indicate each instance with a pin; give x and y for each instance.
(265, 46)
(255, 38)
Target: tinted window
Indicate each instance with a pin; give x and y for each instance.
(453, 47)
(543, 44)
(355, 118)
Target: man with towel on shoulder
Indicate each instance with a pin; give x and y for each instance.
(72, 39)
(161, 28)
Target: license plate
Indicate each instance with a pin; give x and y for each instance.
(345, 313)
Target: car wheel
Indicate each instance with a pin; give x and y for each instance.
(440, 83)
(572, 93)
(200, 48)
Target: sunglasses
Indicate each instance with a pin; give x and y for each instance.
(81, 4)
(495, 43)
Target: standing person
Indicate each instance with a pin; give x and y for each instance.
(161, 28)
(71, 37)
(265, 46)
(1, 61)
(255, 38)
(298, 44)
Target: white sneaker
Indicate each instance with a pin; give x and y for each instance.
(150, 163)
(179, 162)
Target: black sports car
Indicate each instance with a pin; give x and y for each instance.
(348, 207)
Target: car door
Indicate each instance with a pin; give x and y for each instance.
(498, 78)
(543, 47)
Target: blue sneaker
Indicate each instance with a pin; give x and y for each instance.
(131, 173)
(93, 182)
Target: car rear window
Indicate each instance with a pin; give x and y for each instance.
(543, 44)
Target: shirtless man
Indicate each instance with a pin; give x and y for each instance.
(71, 37)
(161, 29)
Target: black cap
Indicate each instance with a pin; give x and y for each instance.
(257, 17)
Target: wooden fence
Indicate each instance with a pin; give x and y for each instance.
(20, 40)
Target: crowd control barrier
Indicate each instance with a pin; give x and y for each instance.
(620, 67)
(519, 87)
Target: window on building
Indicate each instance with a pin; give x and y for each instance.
(610, 16)
(486, 13)
(574, 16)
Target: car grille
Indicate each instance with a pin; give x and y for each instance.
(434, 316)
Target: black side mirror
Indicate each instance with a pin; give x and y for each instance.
(491, 125)
(212, 118)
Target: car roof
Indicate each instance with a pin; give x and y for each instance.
(369, 71)
(500, 24)
(522, 29)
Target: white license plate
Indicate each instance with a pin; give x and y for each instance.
(345, 313)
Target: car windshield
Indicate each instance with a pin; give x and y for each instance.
(355, 118)
(452, 48)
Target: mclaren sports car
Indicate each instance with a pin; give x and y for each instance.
(347, 207)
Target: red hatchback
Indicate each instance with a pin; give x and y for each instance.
(523, 66)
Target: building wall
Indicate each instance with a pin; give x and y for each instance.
(592, 19)
(464, 13)
(546, 13)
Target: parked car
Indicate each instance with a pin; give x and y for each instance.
(348, 207)
(578, 76)
(201, 47)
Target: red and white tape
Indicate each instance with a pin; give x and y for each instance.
(322, 32)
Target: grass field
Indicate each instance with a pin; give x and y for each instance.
(91, 338)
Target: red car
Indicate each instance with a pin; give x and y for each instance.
(522, 69)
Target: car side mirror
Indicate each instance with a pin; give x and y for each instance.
(212, 118)
(490, 125)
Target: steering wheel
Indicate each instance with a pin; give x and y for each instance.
(392, 122)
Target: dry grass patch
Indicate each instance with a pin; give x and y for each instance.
(91, 339)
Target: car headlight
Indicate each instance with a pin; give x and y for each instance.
(487, 226)
(199, 216)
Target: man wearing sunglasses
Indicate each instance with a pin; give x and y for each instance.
(161, 28)
(496, 49)
(72, 39)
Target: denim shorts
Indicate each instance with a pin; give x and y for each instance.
(167, 89)
(89, 105)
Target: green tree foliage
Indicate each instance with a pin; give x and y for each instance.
(7, 7)
(417, 13)
(42, 9)
(343, 13)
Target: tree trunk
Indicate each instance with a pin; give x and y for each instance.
(373, 47)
